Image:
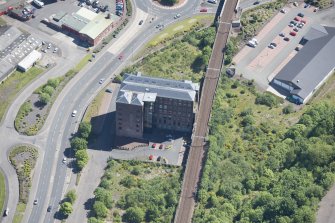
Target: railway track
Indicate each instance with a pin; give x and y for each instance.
(186, 205)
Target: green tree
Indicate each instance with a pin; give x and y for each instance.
(81, 158)
(71, 196)
(100, 209)
(288, 109)
(104, 196)
(134, 215)
(66, 208)
(84, 129)
(44, 98)
(49, 90)
(78, 143)
(53, 83)
(94, 220)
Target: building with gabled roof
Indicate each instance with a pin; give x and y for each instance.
(147, 103)
(310, 67)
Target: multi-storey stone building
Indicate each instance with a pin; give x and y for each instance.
(146, 103)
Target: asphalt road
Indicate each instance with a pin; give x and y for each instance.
(60, 125)
(186, 205)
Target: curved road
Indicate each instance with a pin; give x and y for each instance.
(49, 177)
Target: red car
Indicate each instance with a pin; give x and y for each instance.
(203, 10)
(120, 57)
(153, 145)
(297, 19)
(293, 33)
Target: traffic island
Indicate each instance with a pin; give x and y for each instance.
(23, 158)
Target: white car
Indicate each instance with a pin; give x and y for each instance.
(101, 80)
(64, 160)
(74, 113)
(55, 50)
(6, 212)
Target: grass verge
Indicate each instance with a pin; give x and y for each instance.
(177, 28)
(93, 108)
(12, 86)
(2, 190)
(20, 209)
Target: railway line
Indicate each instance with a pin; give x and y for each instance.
(186, 205)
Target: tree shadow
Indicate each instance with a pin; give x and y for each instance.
(60, 216)
(197, 66)
(39, 104)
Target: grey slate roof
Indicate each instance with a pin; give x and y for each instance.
(152, 87)
(312, 63)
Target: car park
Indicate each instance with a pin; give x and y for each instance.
(287, 39)
(74, 113)
(292, 33)
(35, 202)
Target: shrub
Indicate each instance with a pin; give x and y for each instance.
(267, 99)
(288, 109)
(44, 98)
(48, 90)
(134, 215)
(53, 83)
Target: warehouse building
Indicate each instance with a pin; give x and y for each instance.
(310, 67)
(29, 61)
(88, 26)
(146, 103)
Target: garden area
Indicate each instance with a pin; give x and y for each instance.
(13, 85)
(34, 111)
(134, 192)
(268, 161)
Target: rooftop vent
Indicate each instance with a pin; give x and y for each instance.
(147, 89)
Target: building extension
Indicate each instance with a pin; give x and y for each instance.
(310, 67)
(29, 61)
(145, 104)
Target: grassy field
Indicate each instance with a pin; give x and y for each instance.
(2, 190)
(12, 85)
(20, 209)
(178, 28)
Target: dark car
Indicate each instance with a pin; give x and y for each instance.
(301, 15)
(141, 22)
(273, 44)
(256, 2)
(296, 30)
(287, 39)
(49, 208)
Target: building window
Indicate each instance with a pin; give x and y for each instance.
(120, 128)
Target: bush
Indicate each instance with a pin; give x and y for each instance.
(267, 99)
(288, 109)
(84, 129)
(66, 208)
(48, 90)
(53, 82)
(100, 209)
(78, 143)
(44, 98)
(134, 215)
(71, 196)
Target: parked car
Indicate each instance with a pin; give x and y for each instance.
(153, 145)
(303, 21)
(297, 19)
(256, 2)
(292, 33)
(297, 48)
(287, 39)
(49, 208)
(282, 34)
(301, 15)
(109, 90)
(64, 160)
(141, 22)
(294, 23)
(74, 113)
(283, 11)
(35, 202)
(273, 44)
(290, 25)
(55, 50)
(300, 25)
(161, 146)
(203, 10)
(296, 30)
(101, 80)
(6, 213)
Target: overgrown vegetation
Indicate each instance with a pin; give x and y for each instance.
(322, 4)
(252, 20)
(13, 85)
(131, 191)
(23, 158)
(19, 212)
(66, 206)
(47, 95)
(188, 57)
(262, 168)
(129, 8)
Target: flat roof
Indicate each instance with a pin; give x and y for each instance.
(86, 13)
(30, 59)
(8, 37)
(96, 26)
(75, 22)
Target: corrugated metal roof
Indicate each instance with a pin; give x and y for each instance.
(30, 59)
(96, 26)
(311, 64)
(75, 22)
(86, 13)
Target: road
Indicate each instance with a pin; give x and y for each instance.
(50, 173)
(195, 160)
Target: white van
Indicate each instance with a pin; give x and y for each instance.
(39, 3)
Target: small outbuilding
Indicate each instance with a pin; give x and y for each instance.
(29, 61)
